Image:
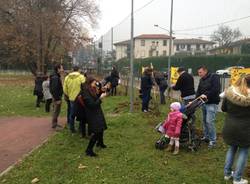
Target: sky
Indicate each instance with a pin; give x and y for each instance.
(187, 14)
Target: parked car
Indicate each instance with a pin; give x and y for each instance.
(227, 71)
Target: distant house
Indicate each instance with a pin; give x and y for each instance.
(146, 45)
(192, 46)
(238, 47)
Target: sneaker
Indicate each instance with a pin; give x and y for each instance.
(242, 181)
(211, 144)
(90, 153)
(144, 111)
(229, 177)
(205, 139)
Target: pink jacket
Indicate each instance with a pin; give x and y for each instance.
(173, 124)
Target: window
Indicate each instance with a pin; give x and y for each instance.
(157, 43)
(142, 43)
(183, 46)
(150, 53)
(188, 47)
(197, 46)
(178, 47)
(164, 42)
(164, 53)
(153, 42)
(157, 53)
(204, 46)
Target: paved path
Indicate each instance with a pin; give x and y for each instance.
(19, 136)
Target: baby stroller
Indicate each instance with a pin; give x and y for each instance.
(187, 136)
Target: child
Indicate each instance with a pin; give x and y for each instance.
(47, 94)
(172, 126)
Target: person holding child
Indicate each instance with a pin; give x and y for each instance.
(236, 130)
(172, 126)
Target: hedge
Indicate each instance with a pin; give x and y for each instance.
(213, 63)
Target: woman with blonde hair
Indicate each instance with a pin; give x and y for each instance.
(236, 130)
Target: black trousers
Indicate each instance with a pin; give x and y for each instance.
(96, 138)
(82, 128)
(39, 99)
(47, 105)
(113, 91)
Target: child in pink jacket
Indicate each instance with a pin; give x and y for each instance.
(172, 126)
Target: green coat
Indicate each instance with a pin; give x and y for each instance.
(236, 130)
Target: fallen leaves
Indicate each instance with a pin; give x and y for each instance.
(35, 180)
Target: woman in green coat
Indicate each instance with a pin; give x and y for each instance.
(236, 130)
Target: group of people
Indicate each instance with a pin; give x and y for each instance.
(235, 102)
(83, 95)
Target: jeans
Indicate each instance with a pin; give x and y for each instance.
(209, 113)
(145, 99)
(72, 115)
(240, 163)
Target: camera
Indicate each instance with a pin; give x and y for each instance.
(103, 88)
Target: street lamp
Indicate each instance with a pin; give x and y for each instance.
(170, 41)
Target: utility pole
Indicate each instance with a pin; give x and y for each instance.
(112, 42)
(170, 44)
(132, 59)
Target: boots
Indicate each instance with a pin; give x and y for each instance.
(176, 150)
(100, 141)
(89, 151)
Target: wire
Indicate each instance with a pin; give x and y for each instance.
(136, 11)
(213, 25)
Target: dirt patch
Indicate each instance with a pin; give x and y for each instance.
(16, 81)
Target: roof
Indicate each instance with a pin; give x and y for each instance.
(192, 41)
(153, 36)
(145, 36)
(126, 42)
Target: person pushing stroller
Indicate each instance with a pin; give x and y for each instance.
(172, 126)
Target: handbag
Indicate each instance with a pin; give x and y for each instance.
(159, 128)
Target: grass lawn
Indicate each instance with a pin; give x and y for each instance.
(130, 156)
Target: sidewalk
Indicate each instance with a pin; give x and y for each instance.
(19, 136)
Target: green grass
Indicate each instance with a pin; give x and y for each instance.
(130, 157)
(17, 99)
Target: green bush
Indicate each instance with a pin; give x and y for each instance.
(212, 62)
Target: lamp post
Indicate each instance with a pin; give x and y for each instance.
(170, 41)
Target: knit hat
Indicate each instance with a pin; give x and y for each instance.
(175, 106)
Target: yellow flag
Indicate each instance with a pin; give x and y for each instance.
(174, 75)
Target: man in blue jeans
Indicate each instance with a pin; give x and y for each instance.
(209, 89)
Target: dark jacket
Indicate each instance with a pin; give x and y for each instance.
(236, 130)
(114, 77)
(146, 82)
(185, 83)
(38, 89)
(94, 114)
(161, 81)
(56, 88)
(210, 86)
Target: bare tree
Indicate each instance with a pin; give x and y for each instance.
(38, 32)
(225, 35)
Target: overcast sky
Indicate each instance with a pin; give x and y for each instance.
(187, 14)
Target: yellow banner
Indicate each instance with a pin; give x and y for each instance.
(174, 75)
(236, 73)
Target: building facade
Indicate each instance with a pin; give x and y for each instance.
(146, 45)
(192, 46)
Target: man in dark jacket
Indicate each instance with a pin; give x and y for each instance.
(56, 90)
(209, 89)
(146, 86)
(185, 83)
